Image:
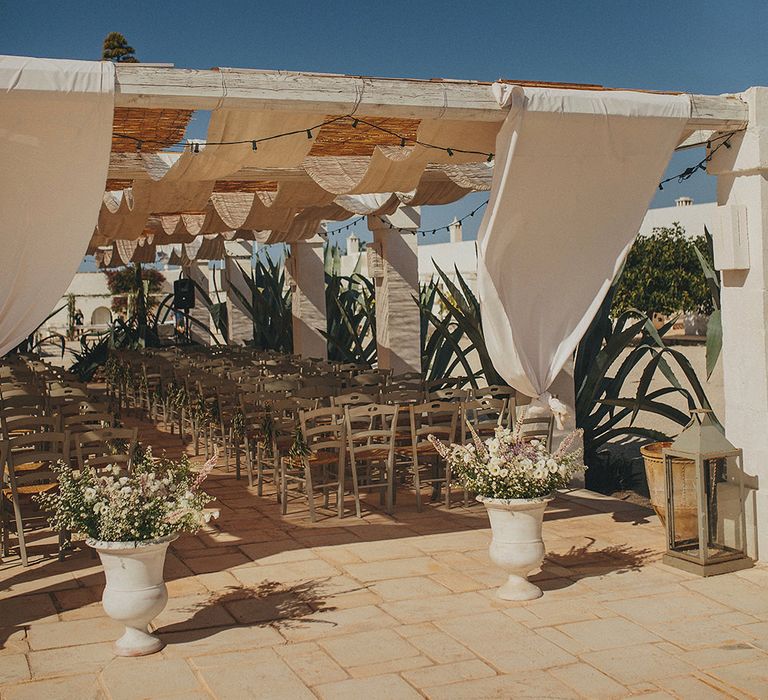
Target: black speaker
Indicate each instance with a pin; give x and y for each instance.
(184, 294)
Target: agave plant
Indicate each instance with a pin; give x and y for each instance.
(351, 312)
(715, 325)
(456, 332)
(95, 347)
(267, 304)
(600, 374)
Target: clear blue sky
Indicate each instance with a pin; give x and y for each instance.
(692, 46)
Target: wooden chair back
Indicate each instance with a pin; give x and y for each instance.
(106, 447)
(353, 399)
(485, 415)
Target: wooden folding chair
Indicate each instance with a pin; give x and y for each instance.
(438, 418)
(538, 428)
(371, 449)
(105, 447)
(494, 391)
(323, 467)
(86, 422)
(28, 471)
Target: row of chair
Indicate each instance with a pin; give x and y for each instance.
(47, 417)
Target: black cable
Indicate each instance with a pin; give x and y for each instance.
(404, 140)
(701, 165)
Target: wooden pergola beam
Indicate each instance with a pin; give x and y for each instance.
(159, 87)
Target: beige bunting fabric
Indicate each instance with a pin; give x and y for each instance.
(55, 140)
(304, 177)
(575, 172)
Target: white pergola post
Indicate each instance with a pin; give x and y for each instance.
(395, 262)
(741, 254)
(307, 270)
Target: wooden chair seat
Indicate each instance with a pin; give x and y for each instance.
(30, 489)
(320, 457)
(32, 466)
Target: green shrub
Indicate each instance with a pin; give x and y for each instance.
(662, 274)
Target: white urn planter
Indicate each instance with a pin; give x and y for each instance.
(135, 592)
(517, 545)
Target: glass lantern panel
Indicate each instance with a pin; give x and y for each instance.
(723, 490)
(684, 528)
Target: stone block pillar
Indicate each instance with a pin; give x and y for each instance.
(741, 254)
(197, 272)
(394, 264)
(240, 321)
(307, 273)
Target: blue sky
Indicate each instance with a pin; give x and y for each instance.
(690, 46)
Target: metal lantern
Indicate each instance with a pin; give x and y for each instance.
(706, 519)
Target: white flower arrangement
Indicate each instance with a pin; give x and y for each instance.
(508, 466)
(159, 497)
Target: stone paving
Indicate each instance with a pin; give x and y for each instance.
(266, 606)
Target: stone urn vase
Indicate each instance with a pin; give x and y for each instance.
(517, 546)
(135, 592)
(686, 497)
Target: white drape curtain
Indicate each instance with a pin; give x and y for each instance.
(55, 139)
(575, 172)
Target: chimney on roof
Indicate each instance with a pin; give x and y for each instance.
(684, 201)
(455, 229)
(353, 244)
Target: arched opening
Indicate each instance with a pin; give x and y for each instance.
(101, 316)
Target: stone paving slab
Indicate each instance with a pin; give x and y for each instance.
(270, 606)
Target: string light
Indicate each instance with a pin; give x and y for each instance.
(355, 222)
(404, 140)
(702, 164)
(423, 232)
(433, 231)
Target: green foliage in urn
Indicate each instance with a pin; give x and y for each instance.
(350, 303)
(159, 497)
(509, 466)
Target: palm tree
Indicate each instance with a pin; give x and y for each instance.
(116, 49)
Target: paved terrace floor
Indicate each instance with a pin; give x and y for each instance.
(265, 606)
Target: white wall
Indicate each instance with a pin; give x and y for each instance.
(463, 254)
(692, 218)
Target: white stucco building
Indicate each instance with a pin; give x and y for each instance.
(691, 216)
(462, 254)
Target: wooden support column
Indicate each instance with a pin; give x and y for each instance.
(741, 254)
(394, 264)
(307, 273)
